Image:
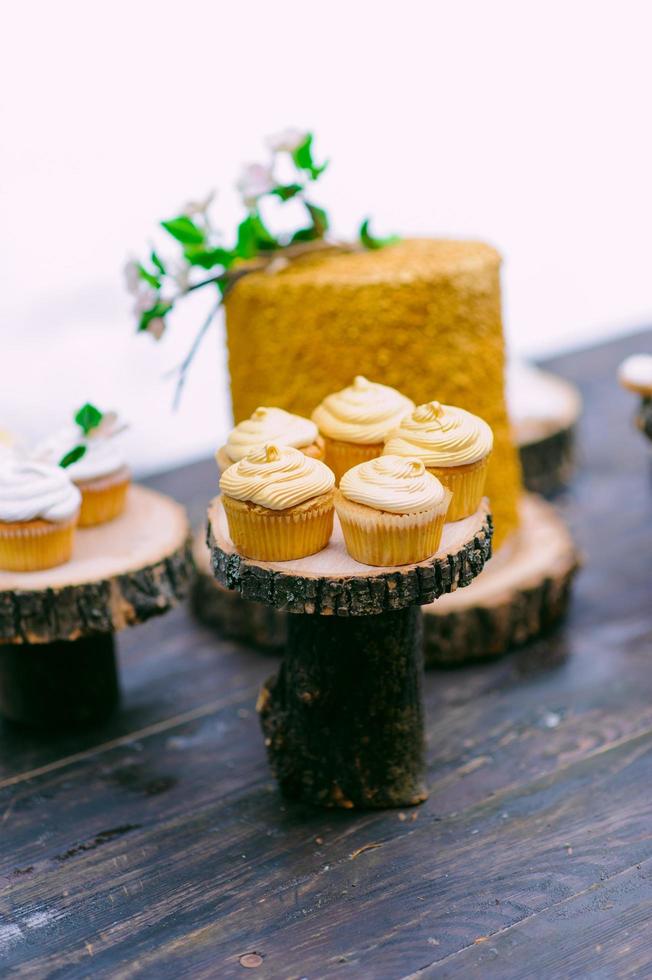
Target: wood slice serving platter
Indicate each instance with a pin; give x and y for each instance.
(523, 592)
(343, 717)
(57, 655)
(544, 411)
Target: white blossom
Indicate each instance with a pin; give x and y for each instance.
(146, 298)
(286, 140)
(200, 207)
(254, 181)
(132, 276)
(156, 327)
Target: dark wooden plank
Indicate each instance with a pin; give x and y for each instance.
(121, 851)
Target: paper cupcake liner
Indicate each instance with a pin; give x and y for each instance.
(31, 546)
(341, 456)
(268, 535)
(375, 537)
(315, 450)
(103, 499)
(466, 483)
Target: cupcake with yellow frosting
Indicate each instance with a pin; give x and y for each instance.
(356, 421)
(454, 445)
(392, 511)
(278, 503)
(39, 507)
(270, 425)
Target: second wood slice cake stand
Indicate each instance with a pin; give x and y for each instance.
(57, 649)
(343, 718)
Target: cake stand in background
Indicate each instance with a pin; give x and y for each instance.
(57, 627)
(635, 374)
(343, 717)
(544, 410)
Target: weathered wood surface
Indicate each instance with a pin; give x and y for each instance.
(332, 583)
(160, 847)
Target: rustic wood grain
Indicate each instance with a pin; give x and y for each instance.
(159, 846)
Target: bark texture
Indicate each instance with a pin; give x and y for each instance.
(343, 718)
(104, 606)
(548, 464)
(354, 595)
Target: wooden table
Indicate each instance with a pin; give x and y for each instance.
(159, 846)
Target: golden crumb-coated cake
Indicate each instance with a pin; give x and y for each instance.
(423, 316)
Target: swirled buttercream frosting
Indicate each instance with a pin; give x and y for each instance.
(276, 477)
(396, 484)
(31, 491)
(270, 425)
(441, 435)
(365, 412)
(102, 457)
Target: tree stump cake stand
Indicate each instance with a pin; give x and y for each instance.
(343, 717)
(523, 592)
(544, 432)
(57, 626)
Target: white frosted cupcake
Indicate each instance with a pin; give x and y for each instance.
(356, 421)
(91, 453)
(270, 425)
(454, 445)
(39, 507)
(392, 511)
(278, 503)
(635, 374)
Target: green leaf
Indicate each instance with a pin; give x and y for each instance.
(148, 277)
(302, 157)
(184, 230)
(158, 310)
(208, 258)
(156, 261)
(246, 245)
(76, 453)
(319, 219)
(287, 191)
(254, 237)
(370, 241)
(88, 417)
(304, 235)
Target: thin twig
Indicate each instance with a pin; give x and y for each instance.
(187, 361)
(229, 278)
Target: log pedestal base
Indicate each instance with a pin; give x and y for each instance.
(343, 718)
(66, 684)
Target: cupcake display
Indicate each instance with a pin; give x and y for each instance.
(455, 447)
(91, 455)
(39, 507)
(392, 511)
(270, 425)
(356, 421)
(278, 503)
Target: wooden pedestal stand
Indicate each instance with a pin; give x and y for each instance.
(545, 434)
(523, 592)
(343, 718)
(57, 656)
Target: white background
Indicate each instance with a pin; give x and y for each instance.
(524, 123)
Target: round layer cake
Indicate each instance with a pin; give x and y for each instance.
(423, 316)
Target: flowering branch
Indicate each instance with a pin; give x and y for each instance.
(157, 285)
